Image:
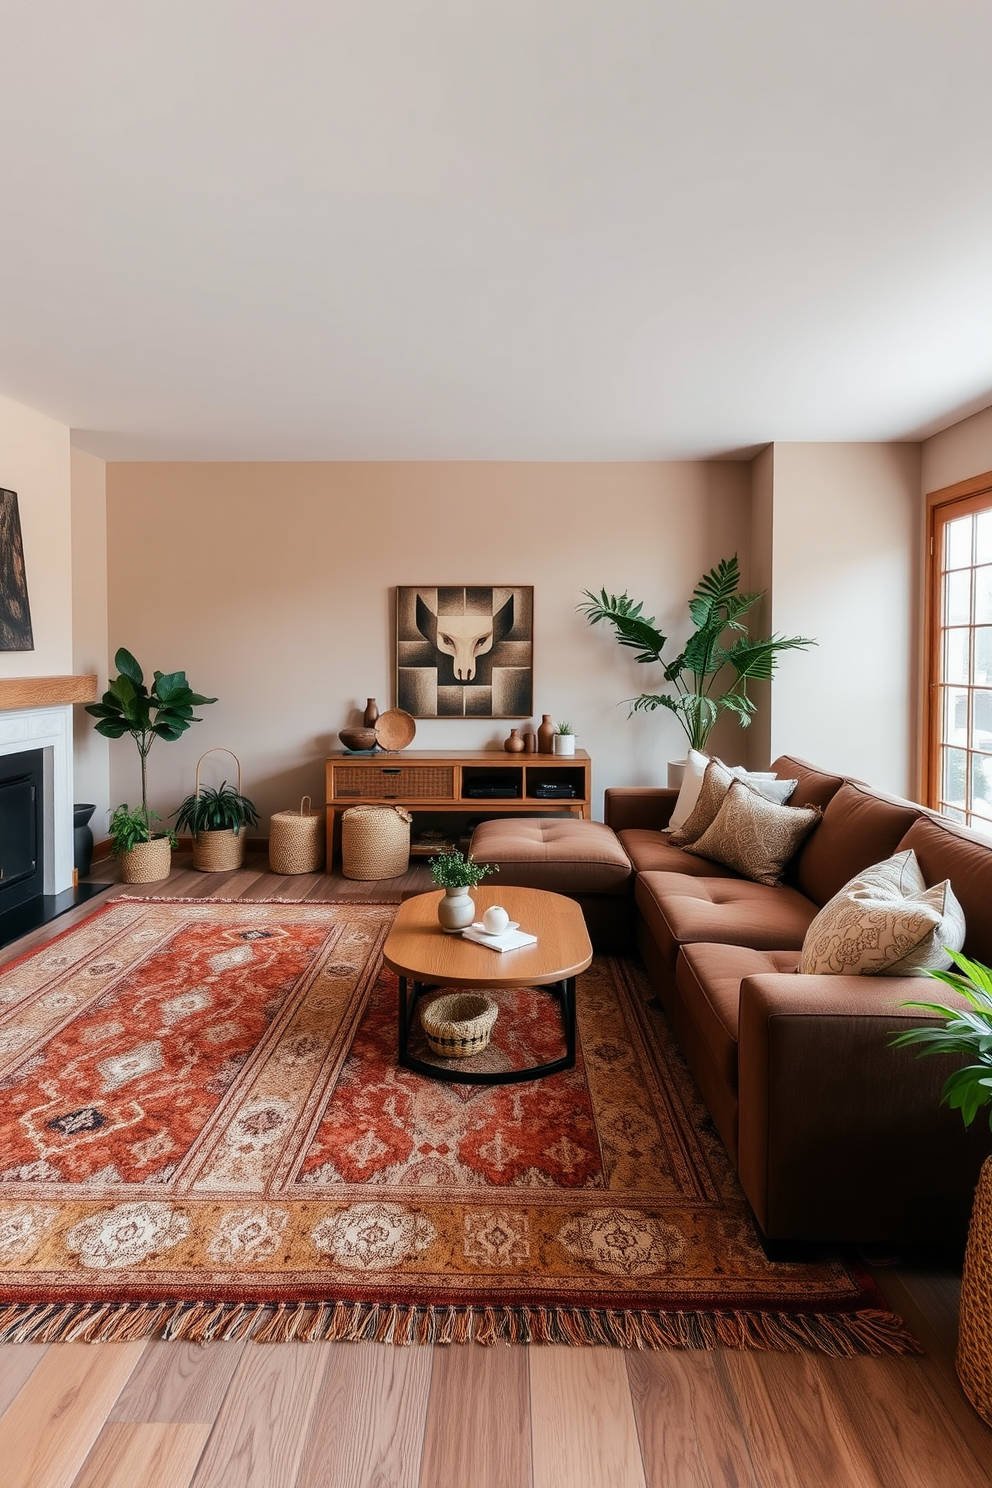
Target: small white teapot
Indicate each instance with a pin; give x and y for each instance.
(495, 919)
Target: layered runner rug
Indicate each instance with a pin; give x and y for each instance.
(204, 1134)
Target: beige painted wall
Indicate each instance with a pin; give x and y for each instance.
(91, 752)
(958, 453)
(846, 571)
(272, 584)
(759, 734)
(34, 462)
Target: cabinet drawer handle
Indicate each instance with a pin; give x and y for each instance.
(391, 769)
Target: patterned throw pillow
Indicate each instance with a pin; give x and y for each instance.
(717, 780)
(885, 922)
(755, 836)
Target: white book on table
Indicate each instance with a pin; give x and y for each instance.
(506, 940)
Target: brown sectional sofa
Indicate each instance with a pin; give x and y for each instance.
(836, 1135)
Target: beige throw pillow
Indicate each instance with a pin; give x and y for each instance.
(755, 836)
(717, 780)
(885, 922)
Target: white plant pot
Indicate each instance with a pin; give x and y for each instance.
(676, 769)
(564, 744)
(456, 911)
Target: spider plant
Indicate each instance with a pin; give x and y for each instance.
(216, 810)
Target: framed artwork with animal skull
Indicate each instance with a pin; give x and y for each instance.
(465, 650)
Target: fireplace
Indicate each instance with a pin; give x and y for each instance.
(45, 735)
(22, 832)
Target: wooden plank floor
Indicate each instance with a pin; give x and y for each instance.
(174, 1415)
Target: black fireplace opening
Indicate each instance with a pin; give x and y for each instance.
(22, 831)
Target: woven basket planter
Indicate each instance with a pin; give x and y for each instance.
(974, 1357)
(148, 862)
(459, 1024)
(296, 840)
(375, 841)
(218, 852)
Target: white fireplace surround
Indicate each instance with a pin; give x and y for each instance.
(49, 729)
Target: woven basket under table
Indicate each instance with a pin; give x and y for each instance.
(458, 1024)
(974, 1358)
(375, 841)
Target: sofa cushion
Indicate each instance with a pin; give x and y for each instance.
(679, 910)
(857, 830)
(945, 850)
(709, 978)
(561, 854)
(885, 922)
(754, 835)
(717, 780)
(653, 850)
(813, 787)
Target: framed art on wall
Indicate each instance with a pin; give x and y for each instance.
(15, 613)
(465, 650)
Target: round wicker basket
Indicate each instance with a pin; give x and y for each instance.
(218, 851)
(459, 1023)
(375, 841)
(147, 862)
(974, 1357)
(296, 840)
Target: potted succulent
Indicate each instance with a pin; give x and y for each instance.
(716, 608)
(968, 1031)
(564, 739)
(163, 711)
(456, 874)
(218, 818)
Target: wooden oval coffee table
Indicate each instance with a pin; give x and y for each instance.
(423, 956)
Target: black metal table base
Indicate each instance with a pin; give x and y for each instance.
(563, 990)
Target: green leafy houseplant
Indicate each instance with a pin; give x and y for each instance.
(455, 871)
(565, 728)
(699, 674)
(223, 809)
(128, 829)
(163, 711)
(966, 1031)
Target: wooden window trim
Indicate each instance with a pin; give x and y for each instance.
(964, 497)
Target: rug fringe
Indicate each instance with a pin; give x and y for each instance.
(842, 1335)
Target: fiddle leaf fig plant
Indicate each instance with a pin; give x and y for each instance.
(162, 711)
(719, 644)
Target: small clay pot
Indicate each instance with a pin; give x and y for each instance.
(514, 744)
(357, 738)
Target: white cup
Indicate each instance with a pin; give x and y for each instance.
(495, 919)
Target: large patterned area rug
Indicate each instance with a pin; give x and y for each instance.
(204, 1134)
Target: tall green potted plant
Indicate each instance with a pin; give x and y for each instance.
(708, 676)
(968, 1031)
(218, 818)
(163, 711)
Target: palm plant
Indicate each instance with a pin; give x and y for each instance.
(716, 607)
(966, 1031)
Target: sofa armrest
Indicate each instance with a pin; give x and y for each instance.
(842, 1136)
(639, 806)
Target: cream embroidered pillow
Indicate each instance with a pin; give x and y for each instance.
(885, 922)
(755, 836)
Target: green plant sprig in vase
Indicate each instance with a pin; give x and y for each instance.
(716, 608)
(453, 870)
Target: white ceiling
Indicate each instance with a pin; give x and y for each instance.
(494, 229)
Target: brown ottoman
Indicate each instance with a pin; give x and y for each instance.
(582, 859)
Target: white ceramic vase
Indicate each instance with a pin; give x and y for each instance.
(676, 769)
(456, 910)
(564, 744)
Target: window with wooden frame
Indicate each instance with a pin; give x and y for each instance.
(959, 653)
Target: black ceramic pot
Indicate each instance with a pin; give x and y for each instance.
(82, 837)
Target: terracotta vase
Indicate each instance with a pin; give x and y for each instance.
(546, 736)
(371, 713)
(530, 742)
(456, 910)
(514, 744)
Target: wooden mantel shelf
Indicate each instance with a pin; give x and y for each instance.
(46, 692)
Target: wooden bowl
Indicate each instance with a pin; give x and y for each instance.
(357, 738)
(395, 729)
